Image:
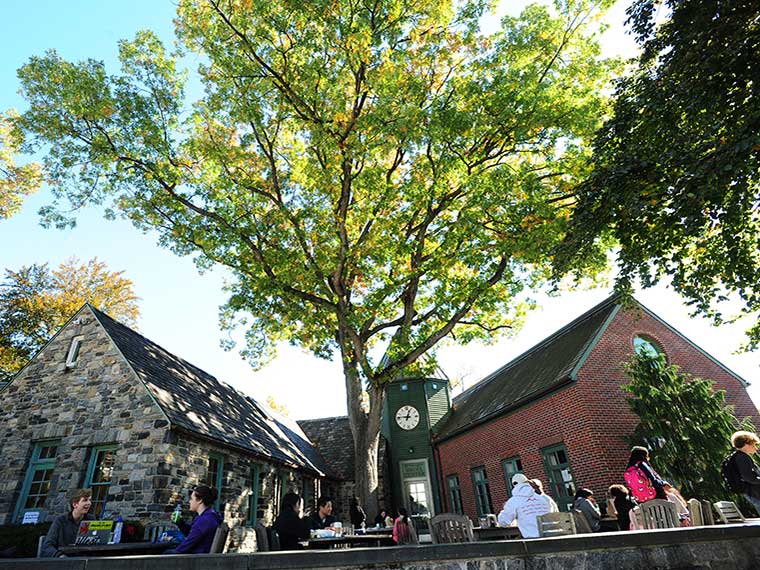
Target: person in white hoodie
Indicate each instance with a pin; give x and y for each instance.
(525, 505)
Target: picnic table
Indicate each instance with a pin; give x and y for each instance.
(350, 541)
(496, 532)
(121, 549)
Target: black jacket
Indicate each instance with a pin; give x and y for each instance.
(623, 506)
(748, 473)
(291, 528)
(316, 523)
(62, 532)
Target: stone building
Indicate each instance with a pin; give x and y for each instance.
(100, 406)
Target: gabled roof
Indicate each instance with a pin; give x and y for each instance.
(332, 437)
(197, 402)
(550, 364)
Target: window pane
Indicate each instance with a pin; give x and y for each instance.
(104, 463)
(213, 472)
(48, 451)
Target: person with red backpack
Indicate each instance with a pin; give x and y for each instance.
(745, 470)
(643, 481)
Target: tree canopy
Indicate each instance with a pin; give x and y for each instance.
(377, 175)
(36, 301)
(676, 178)
(685, 422)
(15, 181)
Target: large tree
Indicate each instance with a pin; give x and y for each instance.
(676, 169)
(377, 175)
(36, 301)
(685, 422)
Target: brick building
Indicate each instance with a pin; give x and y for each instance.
(102, 407)
(557, 412)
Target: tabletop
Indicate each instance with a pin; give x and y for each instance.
(351, 541)
(496, 533)
(121, 549)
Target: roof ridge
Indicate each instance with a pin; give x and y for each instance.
(559, 332)
(323, 419)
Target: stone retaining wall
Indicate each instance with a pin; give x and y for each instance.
(733, 547)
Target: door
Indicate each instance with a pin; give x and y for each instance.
(561, 484)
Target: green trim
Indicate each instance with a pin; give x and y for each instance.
(217, 483)
(95, 451)
(253, 498)
(481, 509)
(593, 343)
(455, 498)
(35, 464)
(513, 460)
(545, 451)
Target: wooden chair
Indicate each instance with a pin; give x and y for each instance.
(262, 540)
(729, 513)
(40, 542)
(581, 522)
(447, 528)
(695, 512)
(220, 539)
(637, 522)
(707, 513)
(153, 530)
(557, 524)
(274, 539)
(659, 513)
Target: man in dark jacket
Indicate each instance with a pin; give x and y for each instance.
(746, 445)
(290, 527)
(323, 518)
(65, 528)
(199, 535)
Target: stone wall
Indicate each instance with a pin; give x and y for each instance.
(702, 548)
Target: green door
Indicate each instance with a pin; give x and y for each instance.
(561, 484)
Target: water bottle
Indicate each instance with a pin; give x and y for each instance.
(177, 514)
(117, 530)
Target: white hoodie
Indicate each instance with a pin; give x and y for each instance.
(525, 505)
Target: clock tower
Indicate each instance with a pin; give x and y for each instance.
(414, 408)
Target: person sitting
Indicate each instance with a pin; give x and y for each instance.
(200, 534)
(380, 518)
(525, 505)
(538, 487)
(642, 479)
(289, 525)
(65, 528)
(323, 517)
(585, 503)
(623, 503)
(356, 513)
(403, 531)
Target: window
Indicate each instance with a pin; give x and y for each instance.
(307, 493)
(98, 477)
(214, 476)
(646, 346)
(253, 498)
(455, 495)
(73, 355)
(512, 467)
(482, 491)
(561, 484)
(36, 486)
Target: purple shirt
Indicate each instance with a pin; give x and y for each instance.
(201, 535)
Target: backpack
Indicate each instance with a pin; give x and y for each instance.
(730, 474)
(641, 487)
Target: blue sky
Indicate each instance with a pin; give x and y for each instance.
(179, 306)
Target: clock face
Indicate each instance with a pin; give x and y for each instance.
(407, 417)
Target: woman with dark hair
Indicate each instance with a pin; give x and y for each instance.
(289, 525)
(643, 481)
(623, 503)
(200, 534)
(403, 531)
(356, 513)
(585, 503)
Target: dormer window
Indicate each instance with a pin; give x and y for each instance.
(73, 355)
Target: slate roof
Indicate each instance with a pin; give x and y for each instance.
(545, 367)
(199, 403)
(332, 437)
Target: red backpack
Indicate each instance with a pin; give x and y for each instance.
(641, 487)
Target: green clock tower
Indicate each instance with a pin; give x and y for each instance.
(414, 408)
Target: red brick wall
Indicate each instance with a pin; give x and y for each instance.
(590, 417)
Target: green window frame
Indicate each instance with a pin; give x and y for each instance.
(482, 491)
(98, 478)
(511, 467)
(455, 494)
(39, 474)
(559, 475)
(253, 498)
(215, 476)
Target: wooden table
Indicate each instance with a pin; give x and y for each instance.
(121, 549)
(352, 541)
(496, 533)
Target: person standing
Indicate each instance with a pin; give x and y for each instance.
(289, 525)
(403, 530)
(199, 536)
(745, 443)
(356, 513)
(65, 528)
(525, 505)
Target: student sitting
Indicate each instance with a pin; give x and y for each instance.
(65, 528)
(199, 535)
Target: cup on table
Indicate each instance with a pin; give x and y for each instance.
(337, 528)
